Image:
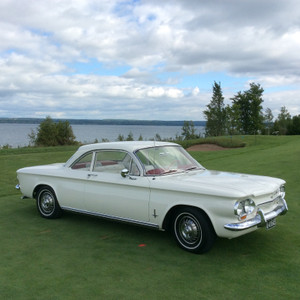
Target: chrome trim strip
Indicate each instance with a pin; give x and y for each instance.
(126, 220)
(266, 202)
(269, 201)
(260, 219)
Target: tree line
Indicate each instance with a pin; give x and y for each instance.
(53, 133)
(100, 121)
(245, 115)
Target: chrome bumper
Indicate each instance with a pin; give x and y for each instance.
(18, 187)
(260, 219)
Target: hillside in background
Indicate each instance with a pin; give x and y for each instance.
(101, 122)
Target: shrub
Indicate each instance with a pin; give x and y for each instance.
(53, 134)
(226, 142)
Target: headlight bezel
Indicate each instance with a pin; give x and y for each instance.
(244, 208)
(282, 190)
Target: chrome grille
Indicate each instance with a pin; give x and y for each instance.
(269, 205)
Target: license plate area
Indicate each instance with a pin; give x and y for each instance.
(271, 223)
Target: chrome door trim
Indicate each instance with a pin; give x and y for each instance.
(110, 217)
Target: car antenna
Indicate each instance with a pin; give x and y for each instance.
(154, 141)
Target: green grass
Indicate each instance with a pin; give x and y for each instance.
(80, 257)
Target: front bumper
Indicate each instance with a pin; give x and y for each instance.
(260, 219)
(18, 187)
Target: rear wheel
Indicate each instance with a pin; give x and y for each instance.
(47, 204)
(193, 230)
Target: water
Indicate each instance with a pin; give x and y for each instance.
(16, 135)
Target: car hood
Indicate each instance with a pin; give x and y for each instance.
(225, 184)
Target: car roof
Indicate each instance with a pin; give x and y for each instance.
(130, 146)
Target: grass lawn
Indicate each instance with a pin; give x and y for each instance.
(81, 257)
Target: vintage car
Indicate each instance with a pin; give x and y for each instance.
(156, 184)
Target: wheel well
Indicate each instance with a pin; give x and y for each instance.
(169, 216)
(37, 189)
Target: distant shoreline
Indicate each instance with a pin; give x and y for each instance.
(100, 122)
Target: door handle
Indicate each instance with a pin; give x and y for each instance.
(92, 175)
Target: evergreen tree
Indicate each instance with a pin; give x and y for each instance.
(283, 121)
(157, 137)
(51, 134)
(65, 134)
(249, 109)
(120, 137)
(215, 113)
(32, 138)
(47, 133)
(231, 123)
(130, 136)
(188, 130)
(268, 118)
(294, 126)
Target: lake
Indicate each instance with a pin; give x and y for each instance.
(16, 135)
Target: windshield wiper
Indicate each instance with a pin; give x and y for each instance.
(170, 171)
(194, 168)
(191, 168)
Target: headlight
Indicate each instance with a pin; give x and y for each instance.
(282, 190)
(244, 208)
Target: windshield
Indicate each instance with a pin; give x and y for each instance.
(165, 160)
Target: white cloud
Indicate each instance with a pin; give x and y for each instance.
(159, 42)
(195, 91)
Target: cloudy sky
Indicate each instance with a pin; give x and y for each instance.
(155, 59)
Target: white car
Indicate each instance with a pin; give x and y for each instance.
(159, 185)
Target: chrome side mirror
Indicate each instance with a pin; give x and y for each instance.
(124, 173)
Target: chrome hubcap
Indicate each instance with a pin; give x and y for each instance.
(189, 229)
(47, 203)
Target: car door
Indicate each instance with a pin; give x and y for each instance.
(108, 193)
(71, 187)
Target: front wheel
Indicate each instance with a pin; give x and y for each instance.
(193, 230)
(47, 204)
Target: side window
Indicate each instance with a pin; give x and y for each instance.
(131, 166)
(134, 170)
(84, 163)
(114, 162)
